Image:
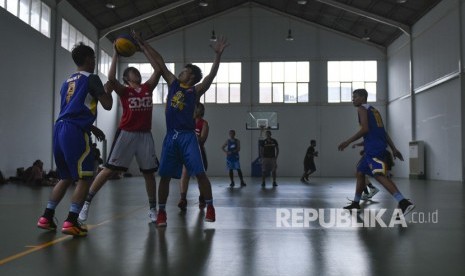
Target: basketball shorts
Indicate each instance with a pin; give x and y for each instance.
(372, 165)
(72, 152)
(309, 166)
(180, 148)
(233, 164)
(128, 145)
(269, 164)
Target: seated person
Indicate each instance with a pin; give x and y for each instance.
(35, 174)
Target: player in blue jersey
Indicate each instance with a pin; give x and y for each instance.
(231, 147)
(180, 146)
(374, 161)
(80, 94)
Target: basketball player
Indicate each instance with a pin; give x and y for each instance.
(373, 163)
(80, 94)
(231, 147)
(180, 146)
(309, 161)
(133, 137)
(269, 151)
(201, 129)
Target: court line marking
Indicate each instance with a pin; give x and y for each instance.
(35, 248)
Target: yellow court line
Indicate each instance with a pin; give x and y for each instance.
(58, 240)
(34, 249)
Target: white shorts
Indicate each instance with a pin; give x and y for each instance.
(129, 144)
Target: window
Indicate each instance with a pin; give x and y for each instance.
(32, 12)
(346, 76)
(226, 87)
(105, 62)
(284, 82)
(161, 90)
(70, 36)
(12, 6)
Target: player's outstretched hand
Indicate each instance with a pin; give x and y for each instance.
(220, 44)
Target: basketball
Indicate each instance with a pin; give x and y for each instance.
(125, 45)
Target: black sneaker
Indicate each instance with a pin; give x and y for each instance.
(275, 184)
(352, 205)
(263, 184)
(406, 206)
(232, 184)
(243, 184)
(182, 204)
(202, 203)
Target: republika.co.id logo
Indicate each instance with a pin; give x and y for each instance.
(336, 217)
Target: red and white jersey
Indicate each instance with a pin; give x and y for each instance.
(137, 109)
(199, 122)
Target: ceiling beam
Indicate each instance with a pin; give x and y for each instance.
(105, 32)
(404, 28)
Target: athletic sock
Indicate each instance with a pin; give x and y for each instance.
(209, 202)
(152, 204)
(75, 207)
(161, 207)
(52, 205)
(357, 197)
(398, 196)
(90, 196)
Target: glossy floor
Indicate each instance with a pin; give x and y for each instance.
(293, 229)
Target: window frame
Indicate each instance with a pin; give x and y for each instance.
(283, 82)
(223, 82)
(340, 85)
(37, 20)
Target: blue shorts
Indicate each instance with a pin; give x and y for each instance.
(371, 166)
(72, 152)
(233, 164)
(180, 148)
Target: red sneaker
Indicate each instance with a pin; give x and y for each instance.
(161, 218)
(74, 229)
(210, 216)
(46, 224)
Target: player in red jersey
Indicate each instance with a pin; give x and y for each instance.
(133, 137)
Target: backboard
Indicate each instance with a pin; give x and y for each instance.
(259, 120)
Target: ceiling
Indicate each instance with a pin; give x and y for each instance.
(382, 21)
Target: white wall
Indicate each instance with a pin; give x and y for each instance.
(26, 95)
(433, 114)
(29, 94)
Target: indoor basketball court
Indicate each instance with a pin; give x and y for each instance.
(285, 73)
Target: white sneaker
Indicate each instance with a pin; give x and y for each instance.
(373, 191)
(365, 196)
(153, 214)
(84, 211)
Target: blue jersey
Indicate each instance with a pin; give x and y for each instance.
(374, 142)
(79, 99)
(232, 146)
(180, 107)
